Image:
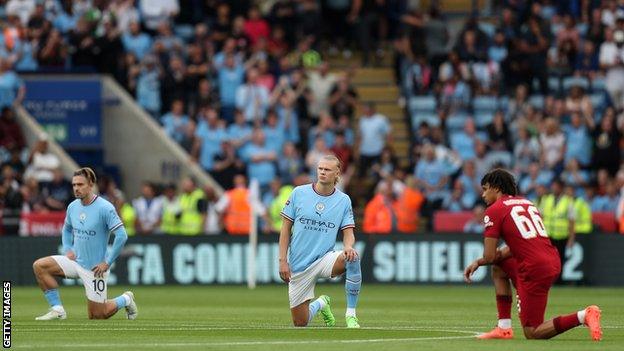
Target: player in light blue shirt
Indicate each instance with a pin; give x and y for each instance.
(88, 223)
(313, 215)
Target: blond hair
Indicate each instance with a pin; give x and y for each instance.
(88, 173)
(332, 157)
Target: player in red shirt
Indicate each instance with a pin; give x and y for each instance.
(529, 260)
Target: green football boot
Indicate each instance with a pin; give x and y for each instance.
(352, 322)
(328, 316)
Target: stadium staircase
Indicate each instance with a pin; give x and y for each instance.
(378, 85)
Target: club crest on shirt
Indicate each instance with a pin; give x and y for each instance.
(82, 217)
(486, 221)
(319, 208)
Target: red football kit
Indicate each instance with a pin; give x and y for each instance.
(535, 264)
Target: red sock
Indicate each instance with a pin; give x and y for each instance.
(567, 322)
(503, 304)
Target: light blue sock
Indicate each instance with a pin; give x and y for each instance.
(120, 301)
(53, 298)
(314, 308)
(353, 282)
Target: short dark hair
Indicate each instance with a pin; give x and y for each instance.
(501, 180)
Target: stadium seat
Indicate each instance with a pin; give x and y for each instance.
(422, 103)
(488, 28)
(450, 222)
(598, 85)
(456, 121)
(431, 119)
(483, 118)
(554, 85)
(485, 103)
(569, 82)
(537, 101)
(605, 221)
(599, 101)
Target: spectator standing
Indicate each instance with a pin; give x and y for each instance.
(373, 134)
(149, 210)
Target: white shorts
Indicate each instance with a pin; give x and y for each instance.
(301, 286)
(95, 288)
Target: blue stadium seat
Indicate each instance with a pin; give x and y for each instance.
(599, 101)
(485, 103)
(422, 103)
(554, 85)
(431, 119)
(537, 101)
(488, 28)
(456, 121)
(483, 118)
(569, 82)
(503, 103)
(598, 85)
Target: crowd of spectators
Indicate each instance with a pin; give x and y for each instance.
(537, 90)
(245, 91)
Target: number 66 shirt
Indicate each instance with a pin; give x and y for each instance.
(518, 222)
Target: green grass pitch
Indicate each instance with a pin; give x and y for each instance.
(235, 318)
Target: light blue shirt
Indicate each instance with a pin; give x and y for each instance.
(604, 203)
(581, 148)
(497, 53)
(175, 126)
(292, 130)
(211, 140)
(464, 145)
(10, 83)
(264, 171)
(431, 172)
(148, 90)
(237, 132)
(253, 100)
(373, 131)
(316, 221)
(89, 228)
(229, 81)
(275, 138)
(139, 45)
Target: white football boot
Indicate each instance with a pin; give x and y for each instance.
(131, 309)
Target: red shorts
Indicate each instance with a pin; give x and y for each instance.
(532, 292)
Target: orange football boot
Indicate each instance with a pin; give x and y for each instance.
(497, 333)
(592, 321)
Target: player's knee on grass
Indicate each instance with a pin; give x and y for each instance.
(300, 322)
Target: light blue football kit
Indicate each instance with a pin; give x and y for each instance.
(86, 232)
(317, 219)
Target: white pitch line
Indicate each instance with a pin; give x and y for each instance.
(245, 343)
(190, 328)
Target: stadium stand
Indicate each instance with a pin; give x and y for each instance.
(263, 91)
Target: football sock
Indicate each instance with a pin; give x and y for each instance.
(53, 298)
(503, 304)
(581, 316)
(567, 322)
(350, 312)
(353, 283)
(121, 301)
(504, 323)
(314, 308)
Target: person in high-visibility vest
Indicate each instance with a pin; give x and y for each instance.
(559, 217)
(582, 209)
(235, 206)
(127, 213)
(192, 215)
(408, 207)
(379, 215)
(171, 211)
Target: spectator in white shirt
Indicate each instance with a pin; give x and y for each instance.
(612, 61)
(373, 135)
(149, 210)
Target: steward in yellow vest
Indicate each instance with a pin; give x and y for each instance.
(171, 211)
(191, 215)
(582, 209)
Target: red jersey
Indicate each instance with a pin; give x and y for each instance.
(517, 221)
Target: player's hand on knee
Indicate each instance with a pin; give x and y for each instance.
(470, 269)
(284, 271)
(350, 254)
(100, 269)
(71, 255)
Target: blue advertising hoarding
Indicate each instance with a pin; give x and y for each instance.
(69, 110)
